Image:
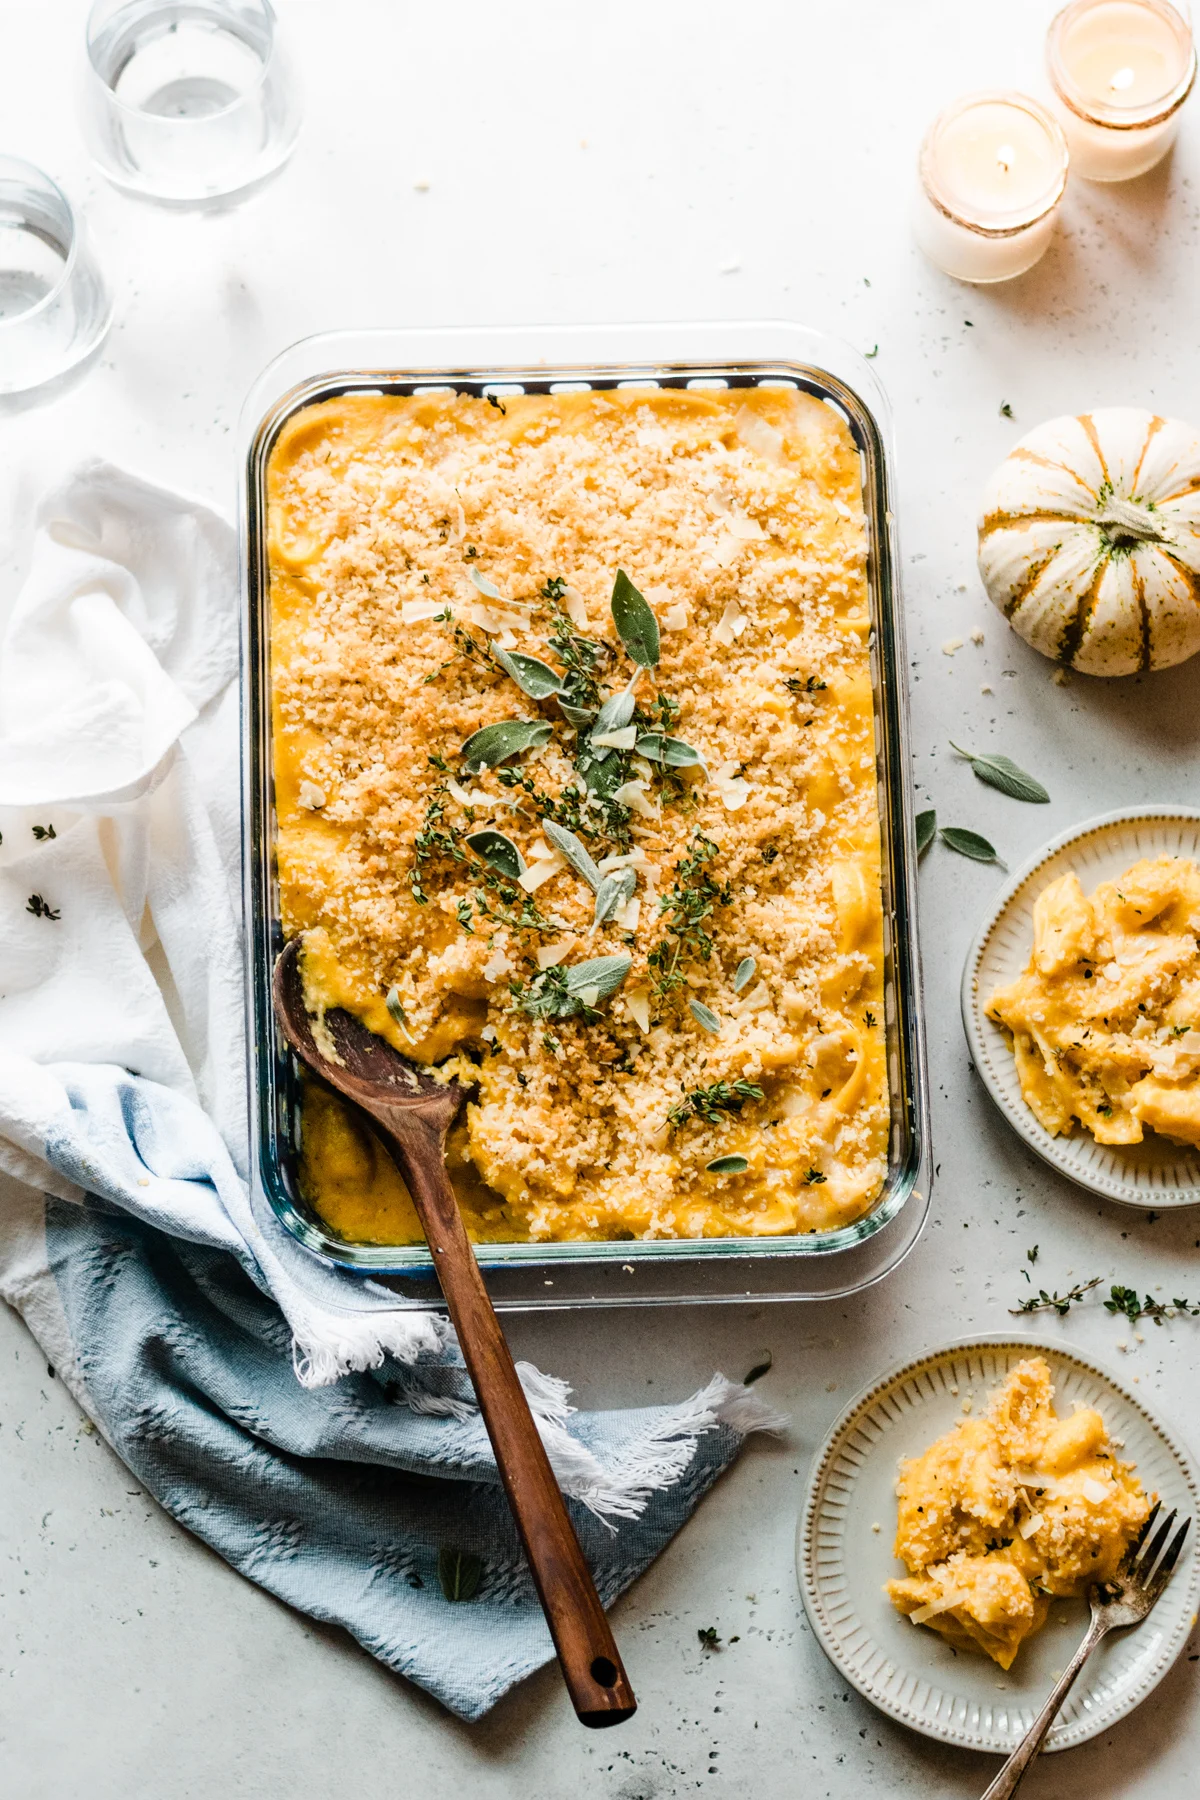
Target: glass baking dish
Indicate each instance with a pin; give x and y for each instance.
(538, 359)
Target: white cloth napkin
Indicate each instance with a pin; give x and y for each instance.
(119, 734)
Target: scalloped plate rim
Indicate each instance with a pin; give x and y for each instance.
(1052, 1150)
(1100, 1718)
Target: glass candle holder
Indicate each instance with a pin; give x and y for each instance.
(54, 306)
(188, 102)
(1121, 70)
(992, 173)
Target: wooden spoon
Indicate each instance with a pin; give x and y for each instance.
(414, 1111)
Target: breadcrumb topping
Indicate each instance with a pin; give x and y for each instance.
(417, 542)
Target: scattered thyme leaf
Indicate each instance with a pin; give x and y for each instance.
(495, 400)
(1006, 411)
(814, 1178)
(42, 832)
(759, 1370)
(1032, 1255)
(708, 1638)
(872, 352)
(38, 907)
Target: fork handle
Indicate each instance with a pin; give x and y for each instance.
(1017, 1767)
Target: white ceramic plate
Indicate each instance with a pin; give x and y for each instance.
(912, 1673)
(1155, 1172)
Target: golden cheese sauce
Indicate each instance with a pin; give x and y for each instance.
(414, 544)
(1007, 1511)
(1105, 1021)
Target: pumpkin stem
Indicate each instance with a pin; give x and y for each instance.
(1127, 523)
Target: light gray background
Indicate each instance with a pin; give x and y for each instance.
(639, 159)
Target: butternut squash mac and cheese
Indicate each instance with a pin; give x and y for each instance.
(576, 797)
(1105, 1020)
(1009, 1510)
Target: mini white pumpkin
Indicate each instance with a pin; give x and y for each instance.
(1089, 540)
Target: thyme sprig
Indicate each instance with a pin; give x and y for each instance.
(711, 1103)
(685, 908)
(1059, 1303)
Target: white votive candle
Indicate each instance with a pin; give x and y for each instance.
(992, 173)
(1121, 70)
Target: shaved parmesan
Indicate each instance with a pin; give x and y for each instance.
(633, 795)
(537, 874)
(638, 1003)
(733, 789)
(412, 612)
(758, 436)
(550, 954)
(310, 796)
(748, 530)
(674, 617)
(733, 622)
(1030, 1525)
(589, 996)
(576, 610)
(946, 1604)
(1096, 1491)
(497, 964)
(629, 914)
(624, 739)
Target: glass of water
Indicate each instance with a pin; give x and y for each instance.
(188, 102)
(54, 306)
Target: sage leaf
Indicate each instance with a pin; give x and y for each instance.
(569, 847)
(746, 971)
(926, 830)
(533, 677)
(581, 717)
(458, 1573)
(488, 748)
(672, 752)
(499, 852)
(616, 712)
(392, 1002)
(604, 973)
(636, 624)
(968, 843)
(486, 587)
(728, 1165)
(1002, 773)
(705, 1016)
(614, 892)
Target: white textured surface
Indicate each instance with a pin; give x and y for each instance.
(844, 1557)
(1155, 1172)
(777, 135)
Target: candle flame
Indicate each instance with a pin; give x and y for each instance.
(1123, 78)
(1006, 156)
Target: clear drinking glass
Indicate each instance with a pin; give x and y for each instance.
(54, 306)
(188, 102)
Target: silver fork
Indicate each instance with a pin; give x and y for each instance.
(1141, 1578)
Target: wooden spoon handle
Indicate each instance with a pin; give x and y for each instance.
(591, 1663)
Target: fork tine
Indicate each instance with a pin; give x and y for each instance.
(1147, 1527)
(1170, 1558)
(1150, 1555)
